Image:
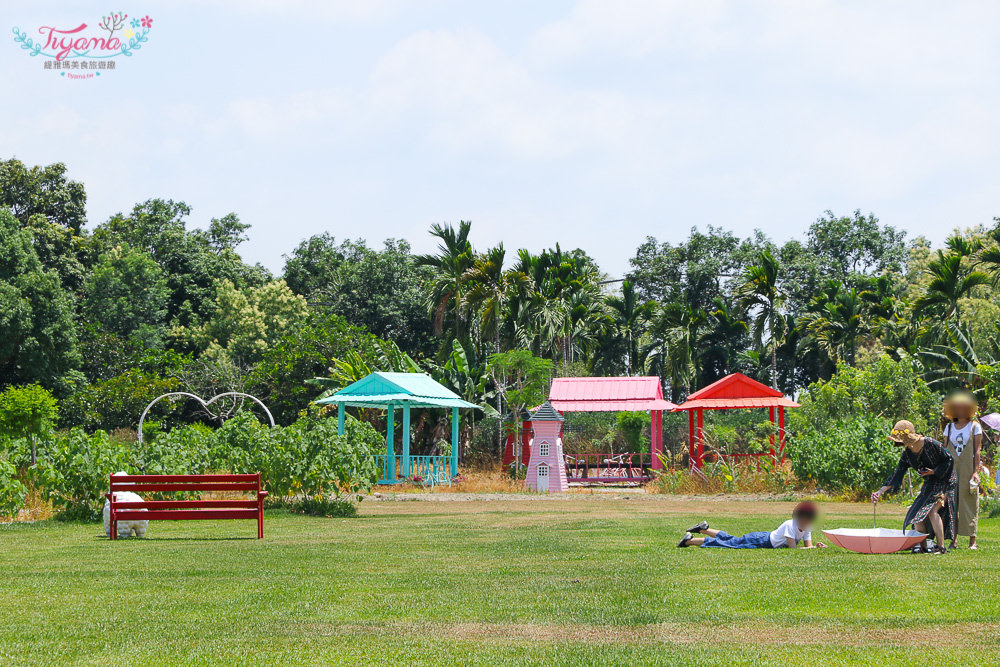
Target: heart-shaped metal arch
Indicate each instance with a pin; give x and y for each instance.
(204, 404)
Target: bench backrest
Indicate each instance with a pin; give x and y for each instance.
(195, 483)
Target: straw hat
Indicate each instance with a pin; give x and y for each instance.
(903, 433)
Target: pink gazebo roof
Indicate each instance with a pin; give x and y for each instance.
(736, 391)
(628, 394)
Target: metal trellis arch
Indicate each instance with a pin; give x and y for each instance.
(204, 404)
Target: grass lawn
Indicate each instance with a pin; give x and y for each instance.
(583, 579)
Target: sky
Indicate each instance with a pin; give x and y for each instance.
(586, 123)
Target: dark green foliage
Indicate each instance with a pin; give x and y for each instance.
(43, 191)
(839, 437)
(12, 490)
(379, 290)
(852, 454)
(119, 401)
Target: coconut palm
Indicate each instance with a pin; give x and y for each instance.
(838, 318)
(449, 266)
(671, 349)
(762, 299)
(629, 316)
(952, 279)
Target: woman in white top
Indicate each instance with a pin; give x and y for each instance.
(963, 437)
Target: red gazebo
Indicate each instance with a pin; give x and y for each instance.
(734, 392)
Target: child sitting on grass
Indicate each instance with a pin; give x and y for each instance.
(788, 534)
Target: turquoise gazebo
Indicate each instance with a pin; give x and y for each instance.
(392, 391)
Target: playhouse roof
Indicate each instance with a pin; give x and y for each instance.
(378, 390)
(632, 394)
(546, 413)
(736, 391)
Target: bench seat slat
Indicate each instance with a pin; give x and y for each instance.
(182, 504)
(211, 486)
(176, 515)
(184, 478)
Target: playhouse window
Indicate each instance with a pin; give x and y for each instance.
(543, 449)
(543, 470)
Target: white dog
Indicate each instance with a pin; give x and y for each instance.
(125, 528)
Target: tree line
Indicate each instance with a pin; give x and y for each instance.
(109, 316)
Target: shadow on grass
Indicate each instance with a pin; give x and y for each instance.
(104, 538)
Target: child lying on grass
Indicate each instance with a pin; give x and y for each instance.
(788, 534)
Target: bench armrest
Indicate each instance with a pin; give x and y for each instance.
(261, 495)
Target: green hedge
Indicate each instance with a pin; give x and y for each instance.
(307, 457)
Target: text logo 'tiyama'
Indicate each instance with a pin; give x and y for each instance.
(83, 52)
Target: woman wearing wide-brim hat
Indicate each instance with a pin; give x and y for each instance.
(963, 438)
(935, 504)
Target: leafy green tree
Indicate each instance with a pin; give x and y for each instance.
(193, 261)
(674, 346)
(380, 290)
(119, 401)
(848, 247)
(522, 379)
(281, 377)
(42, 191)
(490, 289)
(839, 319)
(127, 294)
(38, 341)
(28, 411)
(247, 322)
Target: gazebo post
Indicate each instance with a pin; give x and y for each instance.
(691, 460)
(454, 441)
(656, 437)
(390, 437)
(781, 432)
(340, 419)
(701, 439)
(770, 413)
(406, 441)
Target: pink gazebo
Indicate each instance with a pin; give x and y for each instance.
(621, 394)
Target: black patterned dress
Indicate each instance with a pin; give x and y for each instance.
(943, 481)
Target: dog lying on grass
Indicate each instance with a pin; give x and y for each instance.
(125, 528)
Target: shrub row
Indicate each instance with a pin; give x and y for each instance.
(308, 457)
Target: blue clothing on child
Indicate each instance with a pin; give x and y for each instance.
(761, 540)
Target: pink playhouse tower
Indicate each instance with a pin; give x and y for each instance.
(546, 467)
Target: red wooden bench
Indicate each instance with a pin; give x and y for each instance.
(180, 510)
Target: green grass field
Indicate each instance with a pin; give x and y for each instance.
(589, 579)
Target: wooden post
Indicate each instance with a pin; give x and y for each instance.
(390, 437)
(454, 441)
(340, 419)
(701, 439)
(406, 440)
(656, 437)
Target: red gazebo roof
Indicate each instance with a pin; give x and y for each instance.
(629, 394)
(736, 391)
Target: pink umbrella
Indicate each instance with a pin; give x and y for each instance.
(874, 540)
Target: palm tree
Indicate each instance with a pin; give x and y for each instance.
(673, 345)
(952, 280)
(454, 259)
(489, 289)
(759, 291)
(629, 318)
(838, 318)
(956, 364)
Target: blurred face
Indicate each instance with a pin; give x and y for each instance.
(804, 522)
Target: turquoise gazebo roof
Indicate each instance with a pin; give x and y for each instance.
(379, 390)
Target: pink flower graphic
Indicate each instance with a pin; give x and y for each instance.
(147, 22)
